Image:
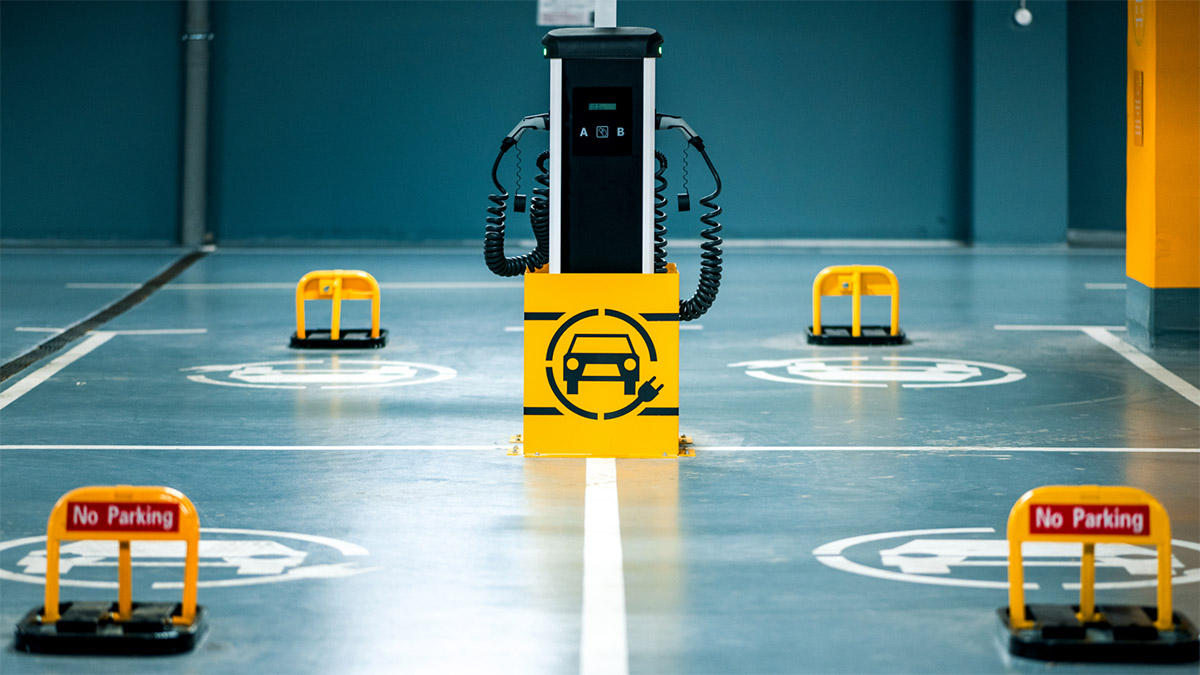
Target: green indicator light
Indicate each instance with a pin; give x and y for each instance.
(546, 51)
(660, 50)
(602, 106)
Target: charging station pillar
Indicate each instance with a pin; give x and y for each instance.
(601, 327)
(602, 149)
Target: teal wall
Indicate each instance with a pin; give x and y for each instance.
(379, 121)
(89, 121)
(382, 123)
(366, 121)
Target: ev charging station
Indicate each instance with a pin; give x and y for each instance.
(602, 307)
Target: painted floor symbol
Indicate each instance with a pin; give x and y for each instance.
(385, 374)
(939, 372)
(226, 559)
(249, 556)
(940, 556)
(925, 557)
(861, 371)
(320, 374)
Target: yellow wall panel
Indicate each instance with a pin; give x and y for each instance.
(1163, 143)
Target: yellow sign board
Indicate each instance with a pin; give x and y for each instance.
(601, 365)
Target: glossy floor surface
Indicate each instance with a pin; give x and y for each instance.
(844, 510)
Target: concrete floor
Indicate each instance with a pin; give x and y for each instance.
(404, 536)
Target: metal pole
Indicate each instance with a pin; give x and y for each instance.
(606, 14)
(124, 581)
(194, 210)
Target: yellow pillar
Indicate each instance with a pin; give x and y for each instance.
(1162, 205)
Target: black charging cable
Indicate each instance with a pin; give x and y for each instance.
(539, 212)
(539, 218)
(710, 260)
(660, 216)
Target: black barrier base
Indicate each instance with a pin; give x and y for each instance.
(1126, 635)
(350, 338)
(88, 628)
(842, 335)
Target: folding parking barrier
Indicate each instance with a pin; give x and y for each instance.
(338, 285)
(1091, 515)
(856, 281)
(123, 514)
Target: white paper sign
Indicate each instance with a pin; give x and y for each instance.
(565, 12)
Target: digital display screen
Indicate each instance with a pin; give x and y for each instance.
(601, 121)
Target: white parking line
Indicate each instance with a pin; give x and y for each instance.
(700, 448)
(1104, 335)
(145, 331)
(603, 643)
(929, 448)
(1147, 364)
(291, 286)
(193, 448)
(1054, 327)
(27, 383)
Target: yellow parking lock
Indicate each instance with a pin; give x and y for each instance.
(338, 285)
(1091, 515)
(123, 514)
(856, 281)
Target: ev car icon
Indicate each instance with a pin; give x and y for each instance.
(601, 357)
(247, 557)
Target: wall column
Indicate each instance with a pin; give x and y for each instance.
(1162, 205)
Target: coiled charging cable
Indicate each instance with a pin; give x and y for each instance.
(539, 219)
(710, 260)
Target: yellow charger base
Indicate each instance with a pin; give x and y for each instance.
(601, 365)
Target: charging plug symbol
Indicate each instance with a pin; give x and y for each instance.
(645, 393)
(648, 392)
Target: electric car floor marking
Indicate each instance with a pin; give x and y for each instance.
(931, 561)
(906, 371)
(257, 562)
(603, 646)
(307, 374)
(27, 383)
(1147, 364)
